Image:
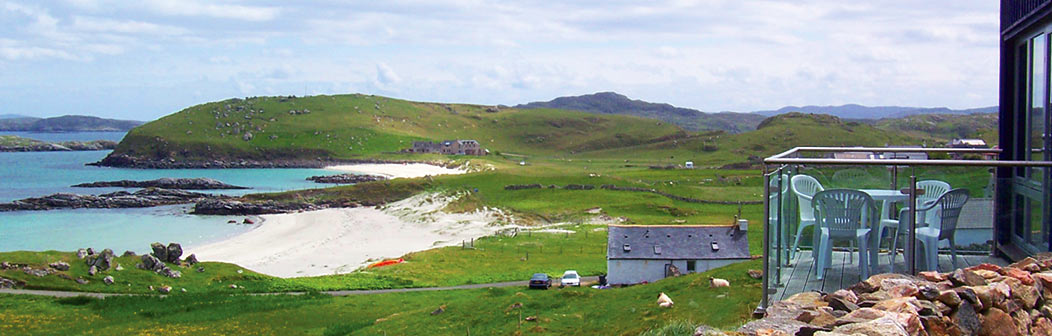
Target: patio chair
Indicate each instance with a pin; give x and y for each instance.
(946, 210)
(805, 187)
(932, 190)
(844, 214)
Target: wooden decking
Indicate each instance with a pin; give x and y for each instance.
(802, 275)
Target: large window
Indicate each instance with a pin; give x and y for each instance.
(1031, 201)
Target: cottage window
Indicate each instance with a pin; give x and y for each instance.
(691, 265)
(715, 246)
(627, 248)
(657, 249)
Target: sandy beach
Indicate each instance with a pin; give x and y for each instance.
(333, 241)
(392, 170)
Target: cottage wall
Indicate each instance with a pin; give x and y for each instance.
(634, 271)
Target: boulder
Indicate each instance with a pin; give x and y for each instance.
(845, 295)
(950, 298)
(60, 265)
(165, 289)
(787, 326)
(996, 322)
(841, 304)
(1042, 327)
(7, 283)
(1022, 322)
(884, 326)
(1025, 295)
(962, 277)
(168, 272)
(128, 254)
(933, 276)
(192, 259)
(159, 251)
(807, 299)
(82, 281)
(81, 253)
(36, 272)
(929, 293)
(1021, 275)
(108, 280)
(175, 251)
(966, 319)
(150, 262)
(93, 270)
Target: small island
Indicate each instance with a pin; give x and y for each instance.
(346, 178)
(200, 183)
(14, 143)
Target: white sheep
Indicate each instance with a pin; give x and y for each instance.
(664, 301)
(714, 283)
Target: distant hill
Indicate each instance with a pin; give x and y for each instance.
(690, 119)
(945, 126)
(855, 111)
(68, 123)
(12, 116)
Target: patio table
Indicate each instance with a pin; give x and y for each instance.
(887, 197)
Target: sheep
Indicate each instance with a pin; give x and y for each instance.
(664, 301)
(714, 283)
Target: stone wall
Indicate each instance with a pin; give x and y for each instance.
(980, 300)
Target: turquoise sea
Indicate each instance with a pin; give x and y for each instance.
(37, 174)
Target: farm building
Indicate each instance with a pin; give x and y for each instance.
(647, 253)
(448, 147)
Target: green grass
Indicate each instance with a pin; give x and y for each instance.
(627, 311)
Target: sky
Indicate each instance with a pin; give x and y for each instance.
(145, 59)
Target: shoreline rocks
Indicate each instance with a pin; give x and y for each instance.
(144, 198)
(238, 208)
(200, 183)
(346, 178)
(18, 144)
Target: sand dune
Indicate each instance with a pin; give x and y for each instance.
(397, 170)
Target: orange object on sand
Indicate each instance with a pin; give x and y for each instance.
(387, 262)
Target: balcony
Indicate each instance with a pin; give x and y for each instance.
(853, 204)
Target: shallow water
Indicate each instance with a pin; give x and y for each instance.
(37, 174)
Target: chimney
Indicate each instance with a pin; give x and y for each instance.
(743, 225)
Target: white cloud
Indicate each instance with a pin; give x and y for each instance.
(92, 24)
(386, 76)
(211, 9)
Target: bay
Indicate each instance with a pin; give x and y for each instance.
(35, 174)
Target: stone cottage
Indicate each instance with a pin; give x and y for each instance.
(647, 253)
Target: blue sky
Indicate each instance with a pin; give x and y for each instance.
(148, 58)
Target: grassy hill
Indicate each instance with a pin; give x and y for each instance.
(946, 126)
(774, 135)
(349, 127)
(690, 119)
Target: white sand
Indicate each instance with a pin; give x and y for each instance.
(335, 241)
(395, 170)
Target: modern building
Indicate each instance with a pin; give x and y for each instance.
(1022, 199)
(647, 253)
(448, 147)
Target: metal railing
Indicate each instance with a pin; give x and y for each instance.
(777, 222)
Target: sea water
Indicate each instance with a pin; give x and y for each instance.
(35, 174)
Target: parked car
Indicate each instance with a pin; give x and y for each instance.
(571, 278)
(540, 281)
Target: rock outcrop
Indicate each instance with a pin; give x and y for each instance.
(200, 183)
(149, 197)
(346, 178)
(980, 300)
(231, 207)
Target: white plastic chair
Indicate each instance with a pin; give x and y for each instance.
(946, 210)
(805, 187)
(844, 214)
(932, 190)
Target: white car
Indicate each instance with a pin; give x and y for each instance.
(571, 278)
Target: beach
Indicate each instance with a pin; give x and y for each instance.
(335, 241)
(393, 170)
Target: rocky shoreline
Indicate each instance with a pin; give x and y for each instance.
(164, 183)
(127, 161)
(145, 198)
(237, 208)
(346, 178)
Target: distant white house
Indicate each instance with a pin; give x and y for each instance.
(968, 143)
(689, 165)
(647, 253)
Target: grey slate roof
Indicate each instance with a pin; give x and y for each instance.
(676, 242)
